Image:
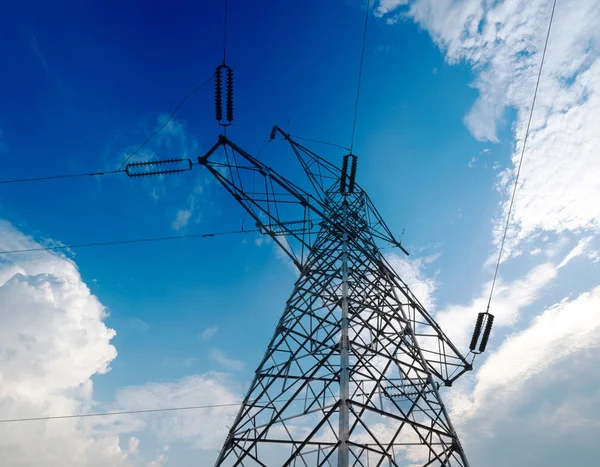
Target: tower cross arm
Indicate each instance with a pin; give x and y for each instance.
(285, 212)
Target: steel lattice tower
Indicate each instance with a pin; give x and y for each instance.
(352, 374)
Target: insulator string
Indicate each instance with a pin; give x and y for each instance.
(218, 94)
(229, 95)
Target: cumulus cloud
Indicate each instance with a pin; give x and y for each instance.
(52, 341)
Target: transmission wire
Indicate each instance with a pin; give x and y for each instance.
(126, 412)
(122, 242)
(225, 32)
(192, 92)
(131, 412)
(362, 58)
(321, 142)
(54, 177)
(512, 201)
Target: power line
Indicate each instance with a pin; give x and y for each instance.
(122, 242)
(362, 58)
(512, 201)
(321, 142)
(54, 177)
(225, 32)
(126, 412)
(192, 92)
(131, 412)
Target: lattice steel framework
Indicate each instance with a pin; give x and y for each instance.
(352, 374)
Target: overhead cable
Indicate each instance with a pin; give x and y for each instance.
(512, 200)
(362, 59)
(320, 142)
(122, 242)
(125, 412)
(130, 412)
(54, 177)
(188, 95)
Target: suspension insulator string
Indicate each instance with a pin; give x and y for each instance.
(218, 95)
(344, 178)
(228, 98)
(352, 176)
(485, 321)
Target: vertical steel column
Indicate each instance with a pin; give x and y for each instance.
(344, 427)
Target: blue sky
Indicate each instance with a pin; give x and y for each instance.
(441, 119)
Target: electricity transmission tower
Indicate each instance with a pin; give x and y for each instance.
(351, 376)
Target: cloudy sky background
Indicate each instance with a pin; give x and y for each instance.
(447, 95)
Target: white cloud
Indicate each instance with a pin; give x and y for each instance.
(510, 298)
(204, 428)
(386, 6)
(134, 444)
(411, 271)
(52, 341)
(562, 330)
(184, 215)
(503, 41)
(209, 333)
(181, 219)
(220, 357)
(160, 460)
(538, 391)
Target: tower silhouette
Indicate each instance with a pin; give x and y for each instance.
(351, 376)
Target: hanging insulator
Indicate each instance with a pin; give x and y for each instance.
(348, 178)
(273, 133)
(229, 96)
(476, 332)
(352, 176)
(344, 174)
(146, 169)
(484, 320)
(486, 333)
(218, 95)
